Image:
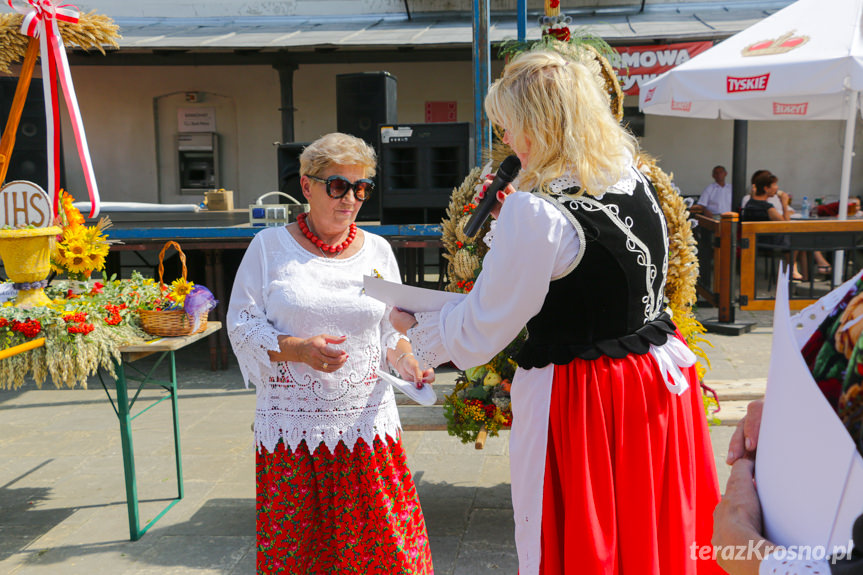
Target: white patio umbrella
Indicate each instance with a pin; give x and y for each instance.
(805, 62)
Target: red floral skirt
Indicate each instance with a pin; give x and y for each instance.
(344, 512)
(630, 482)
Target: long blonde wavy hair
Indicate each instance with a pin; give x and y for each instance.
(555, 103)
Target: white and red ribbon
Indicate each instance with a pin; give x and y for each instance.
(40, 21)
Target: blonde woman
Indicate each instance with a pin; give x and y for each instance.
(334, 493)
(611, 465)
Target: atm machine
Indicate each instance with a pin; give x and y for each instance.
(198, 160)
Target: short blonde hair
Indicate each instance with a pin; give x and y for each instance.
(337, 149)
(555, 103)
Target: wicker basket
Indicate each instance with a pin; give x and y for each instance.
(169, 323)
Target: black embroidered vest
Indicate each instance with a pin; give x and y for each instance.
(611, 302)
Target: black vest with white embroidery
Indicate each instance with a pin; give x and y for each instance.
(611, 301)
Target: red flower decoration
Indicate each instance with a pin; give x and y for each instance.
(29, 328)
(561, 33)
(82, 328)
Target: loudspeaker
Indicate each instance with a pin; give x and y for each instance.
(420, 166)
(29, 159)
(365, 101)
(288, 160)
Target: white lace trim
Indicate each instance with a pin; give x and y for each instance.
(563, 183)
(770, 565)
(295, 411)
(426, 340)
(251, 339)
(625, 185)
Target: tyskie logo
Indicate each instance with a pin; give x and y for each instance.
(747, 84)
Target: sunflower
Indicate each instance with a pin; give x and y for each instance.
(95, 261)
(94, 235)
(180, 288)
(75, 234)
(75, 248)
(101, 249)
(80, 249)
(77, 264)
(58, 261)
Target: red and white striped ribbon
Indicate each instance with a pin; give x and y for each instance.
(40, 21)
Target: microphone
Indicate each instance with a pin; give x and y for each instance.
(506, 173)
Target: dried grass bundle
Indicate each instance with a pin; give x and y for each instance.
(91, 32)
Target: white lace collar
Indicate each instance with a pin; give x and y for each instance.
(625, 185)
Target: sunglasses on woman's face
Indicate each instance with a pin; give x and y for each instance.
(339, 186)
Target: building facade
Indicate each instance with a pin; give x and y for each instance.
(256, 73)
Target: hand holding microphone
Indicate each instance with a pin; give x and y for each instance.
(506, 173)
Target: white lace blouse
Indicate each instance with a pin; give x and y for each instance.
(281, 288)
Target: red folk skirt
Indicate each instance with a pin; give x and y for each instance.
(630, 482)
(347, 512)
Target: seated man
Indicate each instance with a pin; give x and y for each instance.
(716, 197)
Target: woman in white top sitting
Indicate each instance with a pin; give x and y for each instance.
(334, 494)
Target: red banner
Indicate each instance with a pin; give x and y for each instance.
(638, 64)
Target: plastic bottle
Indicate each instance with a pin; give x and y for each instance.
(804, 208)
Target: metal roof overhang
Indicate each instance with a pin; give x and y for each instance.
(439, 36)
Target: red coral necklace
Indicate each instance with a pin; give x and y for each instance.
(324, 247)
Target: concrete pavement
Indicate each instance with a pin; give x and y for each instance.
(62, 499)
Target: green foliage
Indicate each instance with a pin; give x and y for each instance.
(579, 36)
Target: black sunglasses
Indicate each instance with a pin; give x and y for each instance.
(339, 186)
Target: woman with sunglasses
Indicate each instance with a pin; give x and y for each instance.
(334, 494)
(611, 465)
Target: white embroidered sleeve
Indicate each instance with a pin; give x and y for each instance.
(426, 341)
(249, 331)
(770, 565)
(533, 242)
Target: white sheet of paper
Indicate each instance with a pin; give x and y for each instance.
(808, 471)
(424, 396)
(409, 298)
